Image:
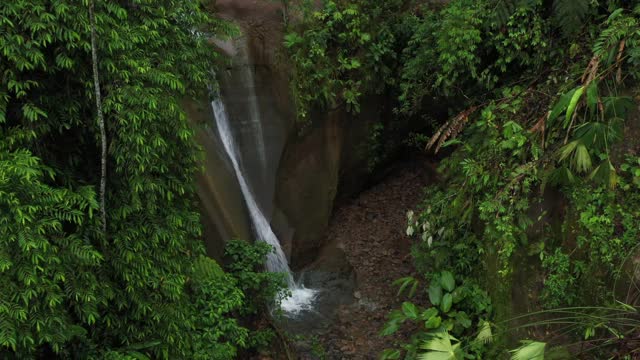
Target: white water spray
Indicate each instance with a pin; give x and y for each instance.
(301, 297)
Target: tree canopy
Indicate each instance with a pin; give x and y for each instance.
(142, 285)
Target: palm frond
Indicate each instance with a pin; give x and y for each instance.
(440, 347)
(485, 335)
(580, 159)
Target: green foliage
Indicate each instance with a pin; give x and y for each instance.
(455, 308)
(561, 280)
(374, 149)
(535, 113)
(606, 224)
(456, 45)
(348, 50)
(47, 265)
(342, 51)
(443, 52)
(246, 266)
(484, 191)
(507, 150)
(143, 289)
(314, 342)
(569, 15)
(217, 297)
(536, 98)
(601, 332)
(448, 52)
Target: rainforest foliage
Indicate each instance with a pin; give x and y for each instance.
(536, 207)
(538, 190)
(138, 286)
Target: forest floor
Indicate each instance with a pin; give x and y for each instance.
(370, 229)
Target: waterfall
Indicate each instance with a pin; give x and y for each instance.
(301, 297)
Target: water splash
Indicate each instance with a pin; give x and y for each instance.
(301, 298)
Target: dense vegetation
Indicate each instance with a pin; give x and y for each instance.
(536, 210)
(134, 283)
(540, 172)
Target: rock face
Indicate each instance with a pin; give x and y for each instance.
(314, 170)
(295, 177)
(223, 211)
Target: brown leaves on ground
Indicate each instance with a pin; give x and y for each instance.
(371, 230)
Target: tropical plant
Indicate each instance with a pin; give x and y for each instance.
(454, 308)
(342, 51)
(601, 331)
(522, 129)
(441, 346)
(71, 284)
(568, 15)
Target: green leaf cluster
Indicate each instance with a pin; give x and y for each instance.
(143, 289)
(455, 307)
(343, 50)
(537, 113)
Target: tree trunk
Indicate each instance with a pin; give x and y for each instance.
(103, 133)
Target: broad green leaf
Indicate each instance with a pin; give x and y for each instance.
(448, 324)
(390, 328)
(433, 323)
(573, 104)
(429, 313)
(458, 295)
(463, 319)
(397, 315)
(435, 293)
(560, 106)
(410, 310)
(447, 281)
(390, 354)
(447, 301)
(413, 289)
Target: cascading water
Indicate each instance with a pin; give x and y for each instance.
(301, 297)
